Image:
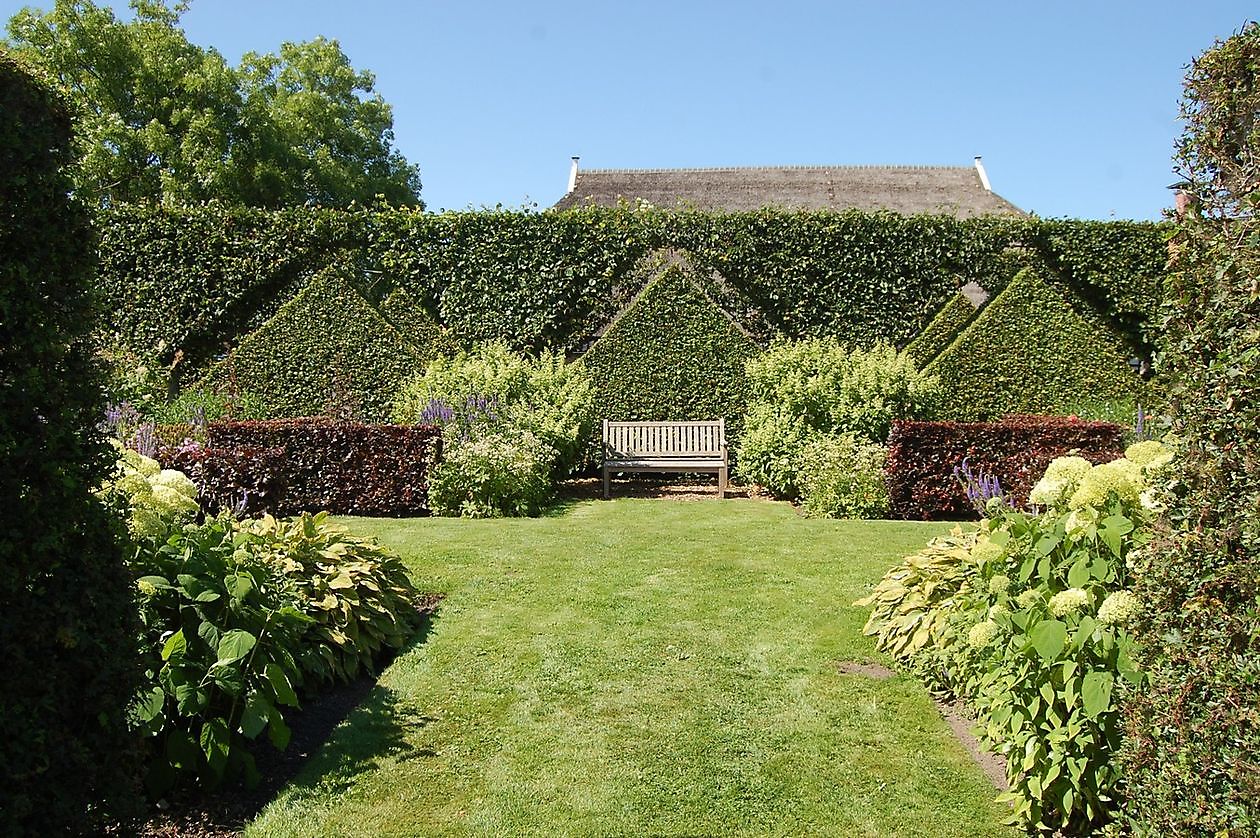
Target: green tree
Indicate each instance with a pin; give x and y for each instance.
(163, 119)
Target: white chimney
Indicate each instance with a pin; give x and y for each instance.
(573, 175)
(984, 177)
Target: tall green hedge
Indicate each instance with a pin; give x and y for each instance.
(415, 324)
(326, 351)
(940, 333)
(199, 278)
(673, 354)
(1192, 755)
(1033, 349)
(67, 614)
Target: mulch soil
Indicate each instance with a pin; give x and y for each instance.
(225, 812)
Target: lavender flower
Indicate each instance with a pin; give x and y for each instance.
(145, 441)
(436, 412)
(980, 486)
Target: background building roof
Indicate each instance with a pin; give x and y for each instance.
(954, 190)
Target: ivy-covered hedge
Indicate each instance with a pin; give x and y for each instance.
(341, 467)
(940, 333)
(1192, 756)
(66, 600)
(923, 458)
(416, 325)
(1033, 349)
(673, 354)
(326, 351)
(197, 279)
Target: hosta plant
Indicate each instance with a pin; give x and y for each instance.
(1030, 624)
(356, 593)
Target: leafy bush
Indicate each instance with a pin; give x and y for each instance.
(200, 405)
(1194, 733)
(339, 467)
(66, 608)
(236, 617)
(671, 355)
(842, 477)
(325, 351)
(924, 457)
(1034, 348)
(501, 473)
(493, 386)
(356, 593)
(1028, 619)
(220, 628)
(808, 391)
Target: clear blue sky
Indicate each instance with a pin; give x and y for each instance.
(1072, 104)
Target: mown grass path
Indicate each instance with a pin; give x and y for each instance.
(642, 667)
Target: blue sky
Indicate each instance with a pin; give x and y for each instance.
(1073, 105)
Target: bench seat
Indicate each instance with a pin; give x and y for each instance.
(665, 446)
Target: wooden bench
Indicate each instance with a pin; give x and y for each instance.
(665, 446)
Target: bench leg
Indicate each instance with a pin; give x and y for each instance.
(607, 487)
(722, 482)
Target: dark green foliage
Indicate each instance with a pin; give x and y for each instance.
(415, 324)
(940, 333)
(198, 278)
(66, 606)
(325, 352)
(1194, 736)
(672, 355)
(1032, 349)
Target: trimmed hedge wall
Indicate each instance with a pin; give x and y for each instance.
(327, 348)
(67, 612)
(1033, 350)
(673, 354)
(199, 278)
(416, 325)
(922, 457)
(244, 481)
(345, 468)
(940, 333)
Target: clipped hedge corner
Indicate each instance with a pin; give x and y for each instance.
(940, 333)
(415, 324)
(1033, 349)
(673, 354)
(325, 351)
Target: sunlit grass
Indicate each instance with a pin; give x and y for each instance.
(642, 667)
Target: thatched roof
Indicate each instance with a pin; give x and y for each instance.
(952, 190)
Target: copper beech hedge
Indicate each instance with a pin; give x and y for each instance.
(347, 468)
(922, 457)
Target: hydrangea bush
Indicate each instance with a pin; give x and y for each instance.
(1028, 619)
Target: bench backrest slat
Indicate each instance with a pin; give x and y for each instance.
(665, 439)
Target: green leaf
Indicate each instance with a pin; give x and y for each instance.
(176, 646)
(1048, 638)
(278, 732)
(150, 704)
(239, 585)
(181, 750)
(1047, 543)
(190, 699)
(1078, 576)
(280, 685)
(257, 710)
(1096, 692)
(216, 744)
(235, 645)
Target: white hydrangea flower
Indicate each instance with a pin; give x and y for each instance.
(1119, 608)
(986, 551)
(999, 584)
(983, 634)
(1028, 598)
(1149, 454)
(1068, 602)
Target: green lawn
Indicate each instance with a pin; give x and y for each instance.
(642, 667)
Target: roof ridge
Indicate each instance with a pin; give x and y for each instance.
(754, 168)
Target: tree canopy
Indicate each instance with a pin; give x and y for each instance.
(160, 118)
